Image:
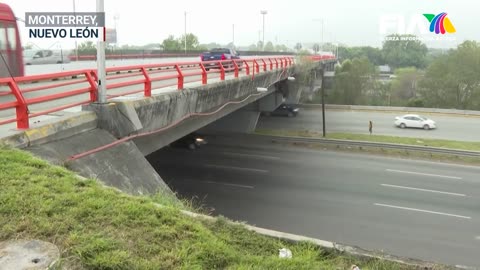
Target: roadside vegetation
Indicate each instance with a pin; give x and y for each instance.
(471, 146)
(448, 144)
(101, 228)
(404, 72)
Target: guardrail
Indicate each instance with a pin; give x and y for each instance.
(375, 144)
(79, 87)
(391, 109)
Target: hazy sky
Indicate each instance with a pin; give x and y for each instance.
(352, 22)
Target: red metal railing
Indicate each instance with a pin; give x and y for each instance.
(32, 96)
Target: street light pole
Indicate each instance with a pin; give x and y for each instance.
(101, 83)
(233, 34)
(323, 101)
(185, 32)
(263, 12)
(76, 45)
(322, 36)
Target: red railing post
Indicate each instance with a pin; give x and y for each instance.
(271, 63)
(148, 83)
(281, 63)
(290, 59)
(276, 63)
(93, 85)
(235, 65)
(256, 66)
(21, 108)
(222, 71)
(247, 67)
(264, 65)
(286, 61)
(180, 77)
(204, 74)
(95, 75)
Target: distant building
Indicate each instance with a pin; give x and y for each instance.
(385, 73)
(385, 69)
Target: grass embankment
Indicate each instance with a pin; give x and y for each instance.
(459, 145)
(100, 228)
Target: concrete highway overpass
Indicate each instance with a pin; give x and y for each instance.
(118, 135)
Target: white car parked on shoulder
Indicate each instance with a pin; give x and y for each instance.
(414, 121)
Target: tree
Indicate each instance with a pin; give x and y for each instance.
(374, 55)
(253, 47)
(269, 47)
(281, 48)
(192, 41)
(404, 51)
(260, 45)
(404, 86)
(151, 46)
(170, 44)
(211, 45)
(352, 79)
(452, 80)
(298, 46)
(87, 47)
(316, 48)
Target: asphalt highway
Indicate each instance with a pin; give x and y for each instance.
(449, 127)
(408, 208)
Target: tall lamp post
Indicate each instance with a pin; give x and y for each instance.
(263, 12)
(321, 40)
(101, 83)
(233, 35)
(76, 44)
(116, 18)
(185, 32)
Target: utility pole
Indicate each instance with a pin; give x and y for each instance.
(323, 101)
(76, 45)
(101, 83)
(322, 38)
(185, 32)
(233, 34)
(263, 12)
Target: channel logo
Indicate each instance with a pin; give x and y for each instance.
(440, 23)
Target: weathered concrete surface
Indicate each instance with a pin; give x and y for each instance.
(179, 113)
(243, 120)
(270, 102)
(126, 117)
(122, 166)
(52, 130)
(28, 255)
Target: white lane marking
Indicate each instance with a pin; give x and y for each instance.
(250, 155)
(236, 168)
(228, 184)
(425, 174)
(420, 210)
(426, 190)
